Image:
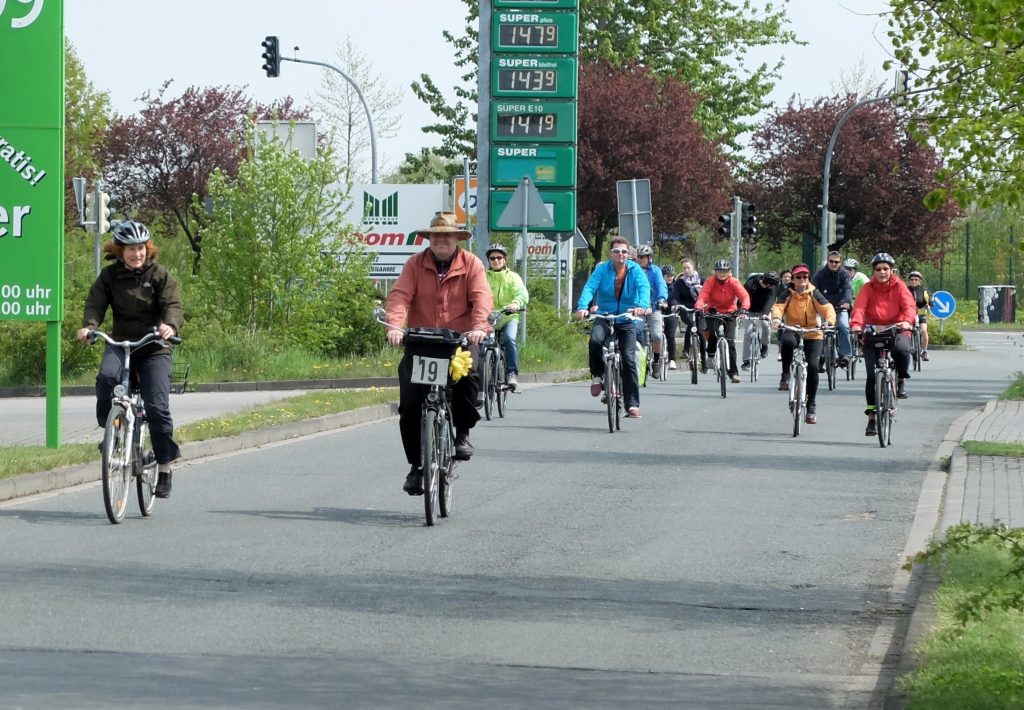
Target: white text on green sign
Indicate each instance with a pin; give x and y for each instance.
(546, 166)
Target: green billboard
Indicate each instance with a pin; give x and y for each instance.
(32, 160)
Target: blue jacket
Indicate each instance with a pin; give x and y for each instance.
(636, 289)
(834, 285)
(659, 289)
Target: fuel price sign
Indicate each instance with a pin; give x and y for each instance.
(533, 121)
(534, 32)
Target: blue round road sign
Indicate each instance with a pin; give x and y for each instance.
(943, 304)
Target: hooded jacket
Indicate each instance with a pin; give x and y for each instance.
(507, 287)
(802, 308)
(883, 304)
(723, 295)
(461, 300)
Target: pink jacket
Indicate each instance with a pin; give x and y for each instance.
(883, 304)
(461, 301)
(723, 295)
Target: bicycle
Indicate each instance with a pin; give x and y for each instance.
(127, 447)
(431, 350)
(856, 355)
(798, 375)
(644, 337)
(694, 343)
(755, 345)
(830, 358)
(494, 379)
(613, 397)
(666, 356)
(883, 340)
(722, 362)
(915, 346)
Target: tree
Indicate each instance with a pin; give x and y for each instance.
(425, 168)
(969, 57)
(156, 161)
(344, 114)
(634, 125)
(879, 177)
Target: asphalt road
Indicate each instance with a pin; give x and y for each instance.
(700, 558)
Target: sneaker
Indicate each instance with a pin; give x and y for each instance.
(871, 430)
(784, 382)
(633, 412)
(463, 449)
(778, 358)
(414, 482)
(596, 385)
(901, 390)
(812, 415)
(746, 365)
(163, 485)
(735, 377)
(512, 381)
(672, 365)
(480, 399)
(710, 362)
(924, 355)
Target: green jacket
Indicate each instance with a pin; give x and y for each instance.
(139, 300)
(507, 287)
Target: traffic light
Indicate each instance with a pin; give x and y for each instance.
(725, 225)
(103, 218)
(271, 57)
(748, 221)
(840, 227)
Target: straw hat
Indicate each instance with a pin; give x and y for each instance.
(446, 223)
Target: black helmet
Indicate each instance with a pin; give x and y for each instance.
(668, 270)
(770, 277)
(644, 250)
(126, 233)
(497, 248)
(882, 258)
(723, 265)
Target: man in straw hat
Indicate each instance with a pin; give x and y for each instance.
(441, 287)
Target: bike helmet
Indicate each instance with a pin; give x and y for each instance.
(668, 270)
(723, 265)
(126, 233)
(883, 258)
(498, 248)
(770, 277)
(912, 274)
(644, 250)
(850, 264)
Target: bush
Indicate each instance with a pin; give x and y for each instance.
(948, 335)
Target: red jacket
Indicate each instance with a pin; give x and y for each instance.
(461, 301)
(723, 295)
(883, 304)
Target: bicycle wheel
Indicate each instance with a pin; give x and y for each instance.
(915, 349)
(831, 362)
(117, 469)
(619, 402)
(663, 360)
(882, 405)
(723, 363)
(487, 383)
(446, 473)
(694, 357)
(500, 385)
(797, 384)
(755, 352)
(430, 461)
(145, 469)
(610, 392)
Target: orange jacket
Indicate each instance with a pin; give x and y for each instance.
(802, 309)
(460, 301)
(723, 295)
(883, 304)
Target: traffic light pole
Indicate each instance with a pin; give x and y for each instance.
(737, 233)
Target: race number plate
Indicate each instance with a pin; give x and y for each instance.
(429, 370)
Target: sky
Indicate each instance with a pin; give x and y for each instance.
(129, 47)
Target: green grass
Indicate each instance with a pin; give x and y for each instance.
(992, 448)
(16, 460)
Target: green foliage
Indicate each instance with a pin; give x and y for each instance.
(947, 335)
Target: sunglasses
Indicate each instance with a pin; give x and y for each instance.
(618, 251)
(801, 277)
(496, 258)
(832, 262)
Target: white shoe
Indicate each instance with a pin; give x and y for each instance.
(672, 365)
(512, 381)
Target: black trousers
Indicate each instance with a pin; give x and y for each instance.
(154, 373)
(410, 404)
(900, 353)
(625, 333)
(671, 327)
(730, 336)
(812, 353)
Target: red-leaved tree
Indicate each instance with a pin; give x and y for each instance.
(634, 125)
(879, 179)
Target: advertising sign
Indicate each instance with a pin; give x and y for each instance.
(32, 160)
(387, 219)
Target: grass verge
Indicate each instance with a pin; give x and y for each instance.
(16, 460)
(992, 448)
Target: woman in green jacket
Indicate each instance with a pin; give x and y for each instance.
(509, 293)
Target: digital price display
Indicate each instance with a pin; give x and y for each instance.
(536, 32)
(535, 77)
(533, 121)
(527, 125)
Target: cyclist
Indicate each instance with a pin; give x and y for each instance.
(803, 307)
(857, 278)
(834, 283)
(441, 287)
(618, 286)
(685, 290)
(923, 301)
(659, 297)
(884, 300)
(142, 295)
(509, 293)
(761, 289)
(725, 294)
(671, 324)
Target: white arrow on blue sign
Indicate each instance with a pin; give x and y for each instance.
(943, 304)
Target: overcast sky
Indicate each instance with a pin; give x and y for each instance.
(131, 46)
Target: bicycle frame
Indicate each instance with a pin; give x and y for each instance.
(722, 362)
(694, 341)
(885, 381)
(613, 369)
(798, 374)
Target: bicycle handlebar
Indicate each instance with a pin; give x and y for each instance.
(495, 315)
(801, 329)
(131, 344)
(611, 316)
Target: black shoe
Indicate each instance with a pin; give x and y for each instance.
(784, 382)
(871, 430)
(764, 352)
(843, 361)
(901, 390)
(812, 414)
(745, 365)
(463, 449)
(163, 485)
(414, 482)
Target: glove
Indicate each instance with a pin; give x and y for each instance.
(460, 364)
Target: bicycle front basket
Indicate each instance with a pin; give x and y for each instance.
(432, 342)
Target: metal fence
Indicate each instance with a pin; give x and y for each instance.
(980, 253)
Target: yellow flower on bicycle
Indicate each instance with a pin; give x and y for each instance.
(460, 365)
